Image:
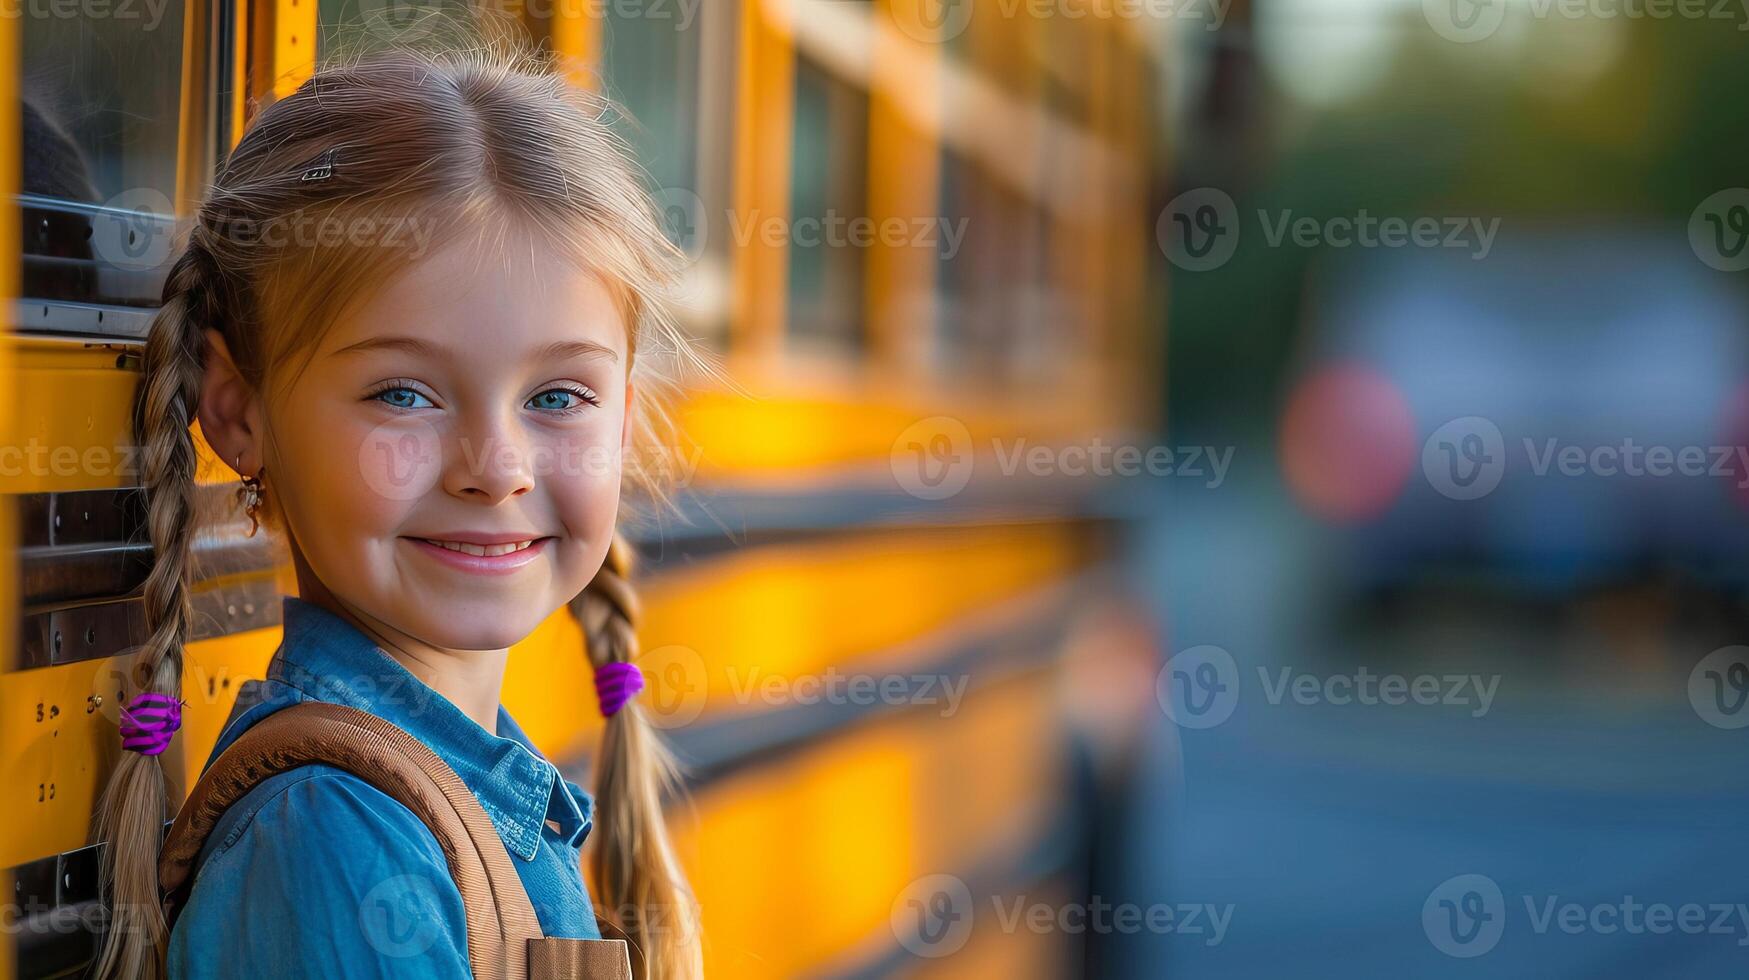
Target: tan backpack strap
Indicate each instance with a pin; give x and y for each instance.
(578, 959)
(612, 957)
(500, 919)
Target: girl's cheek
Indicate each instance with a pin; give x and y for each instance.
(350, 479)
(394, 463)
(583, 479)
(586, 456)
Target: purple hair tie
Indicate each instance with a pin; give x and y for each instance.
(615, 684)
(149, 721)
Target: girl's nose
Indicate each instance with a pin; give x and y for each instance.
(490, 462)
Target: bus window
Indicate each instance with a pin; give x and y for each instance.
(665, 68)
(651, 64)
(999, 316)
(101, 102)
(971, 312)
(368, 23)
(828, 207)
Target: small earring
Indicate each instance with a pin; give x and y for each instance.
(249, 494)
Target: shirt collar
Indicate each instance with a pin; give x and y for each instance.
(329, 659)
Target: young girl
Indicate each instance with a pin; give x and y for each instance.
(412, 313)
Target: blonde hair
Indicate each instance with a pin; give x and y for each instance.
(464, 138)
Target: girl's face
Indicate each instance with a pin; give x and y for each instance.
(449, 463)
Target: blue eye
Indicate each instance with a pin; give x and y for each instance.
(400, 397)
(563, 399)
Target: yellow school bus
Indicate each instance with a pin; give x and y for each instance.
(844, 523)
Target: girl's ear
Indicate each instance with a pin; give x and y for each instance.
(230, 413)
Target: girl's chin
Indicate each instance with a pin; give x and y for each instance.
(455, 622)
(489, 637)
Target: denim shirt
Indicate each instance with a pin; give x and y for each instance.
(316, 873)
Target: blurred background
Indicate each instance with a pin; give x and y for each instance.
(1210, 489)
(1455, 461)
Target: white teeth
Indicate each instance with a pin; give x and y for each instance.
(484, 551)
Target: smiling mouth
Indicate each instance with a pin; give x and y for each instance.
(482, 550)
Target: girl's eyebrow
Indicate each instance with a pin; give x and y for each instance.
(556, 351)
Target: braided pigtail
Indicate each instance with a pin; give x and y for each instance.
(636, 869)
(133, 807)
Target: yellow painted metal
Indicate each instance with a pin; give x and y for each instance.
(10, 246)
(575, 34)
(55, 760)
(55, 756)
(72, 431)
(242, 31)
(1019, 953)
(773, 613)
(9, 627)
(783, 612)
(192, 121)
(834, 836)
(283, 47)
(765, 115)
(797, 426)
(212, 672)
(904, 179)
(732, 625)
(837, 825)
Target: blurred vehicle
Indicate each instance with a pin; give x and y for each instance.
(1578, 407)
